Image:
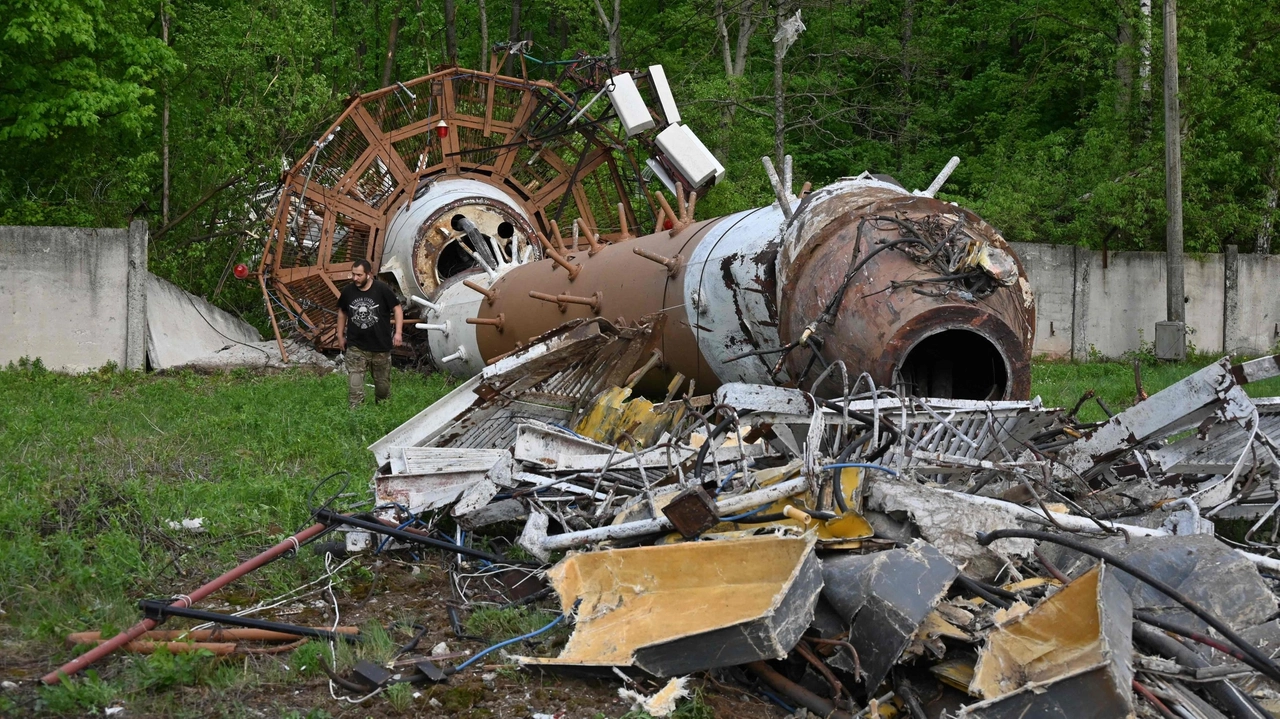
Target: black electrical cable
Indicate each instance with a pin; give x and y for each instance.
(1237, 704)
(1264, 662)
(982, 591)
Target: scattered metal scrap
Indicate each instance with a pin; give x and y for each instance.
(867, 548)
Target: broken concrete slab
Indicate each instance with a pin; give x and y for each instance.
(262, 356)
(673, 609)
(182, 328)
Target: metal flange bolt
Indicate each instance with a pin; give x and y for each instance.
(495, 322)
(671, 263)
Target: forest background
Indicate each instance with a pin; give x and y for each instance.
(1054, 106)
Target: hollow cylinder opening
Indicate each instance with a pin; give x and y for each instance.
(955, 364)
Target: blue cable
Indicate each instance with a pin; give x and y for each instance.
(776, 700)
(388, 539)
(725, 482)
(862, 465)
(451, 540)
(559, 618)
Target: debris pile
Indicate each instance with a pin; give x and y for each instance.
(866, 554)
(918, 557)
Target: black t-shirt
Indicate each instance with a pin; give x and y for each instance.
(368, 315)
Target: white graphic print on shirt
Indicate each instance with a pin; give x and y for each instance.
(364, 312)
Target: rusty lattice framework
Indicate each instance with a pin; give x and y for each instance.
(531, 138)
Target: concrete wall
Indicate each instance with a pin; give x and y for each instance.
(65, 296)
(80, 298)
(1085, 308)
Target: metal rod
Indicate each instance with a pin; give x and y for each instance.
(163, 609)
(812, 702)
(331, 517)
(671, 263)
(489, 294)
(146, 625)
(571, 268)
(496, 322)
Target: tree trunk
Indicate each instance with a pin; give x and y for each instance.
(484, 38)
(1175, 303)
(450, 32)
(164, 124)
(513, 33)
(615, 32)
(390, 62)
(722, 29)
(905, 72)
(779, 117)
(1124, 66)
(1144, 57)
(1262, 244)
(612, 28)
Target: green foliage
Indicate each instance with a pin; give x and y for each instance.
(501, 624)
(161, 670)
(85, 694)
(1044, 103)
(693, 707)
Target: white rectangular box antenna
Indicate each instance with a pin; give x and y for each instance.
(632, 111)
(658, 77)
(690, 157)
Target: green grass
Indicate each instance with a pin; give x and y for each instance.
(1061, 384)
(93, 467)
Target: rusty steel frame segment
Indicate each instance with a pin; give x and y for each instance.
(300, 259)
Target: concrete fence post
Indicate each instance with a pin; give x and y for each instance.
(1231, 340)
(1080, 304)
(136, 297)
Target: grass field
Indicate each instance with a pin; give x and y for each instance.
(93, 467)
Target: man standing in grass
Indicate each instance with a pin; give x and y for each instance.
(365, 308)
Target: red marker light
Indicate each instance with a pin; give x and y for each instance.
(442, 129)
(667, 224)
(241, 271)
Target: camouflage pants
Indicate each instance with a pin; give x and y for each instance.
(358, 362)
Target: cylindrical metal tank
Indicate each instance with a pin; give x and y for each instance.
(919, 293)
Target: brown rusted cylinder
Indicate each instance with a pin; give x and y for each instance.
(629, 288)
(931, 339)
(144, 647)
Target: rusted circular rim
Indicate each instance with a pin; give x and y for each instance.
(507, 212)
(968, 319)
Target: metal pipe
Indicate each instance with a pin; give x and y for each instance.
(489, 294)
(812, 702)
(1238, 704)
(162, 610)
(495, 322)
(559, 259)
(332, 517)
(186, 600)
(671, 263)
(569, 540)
